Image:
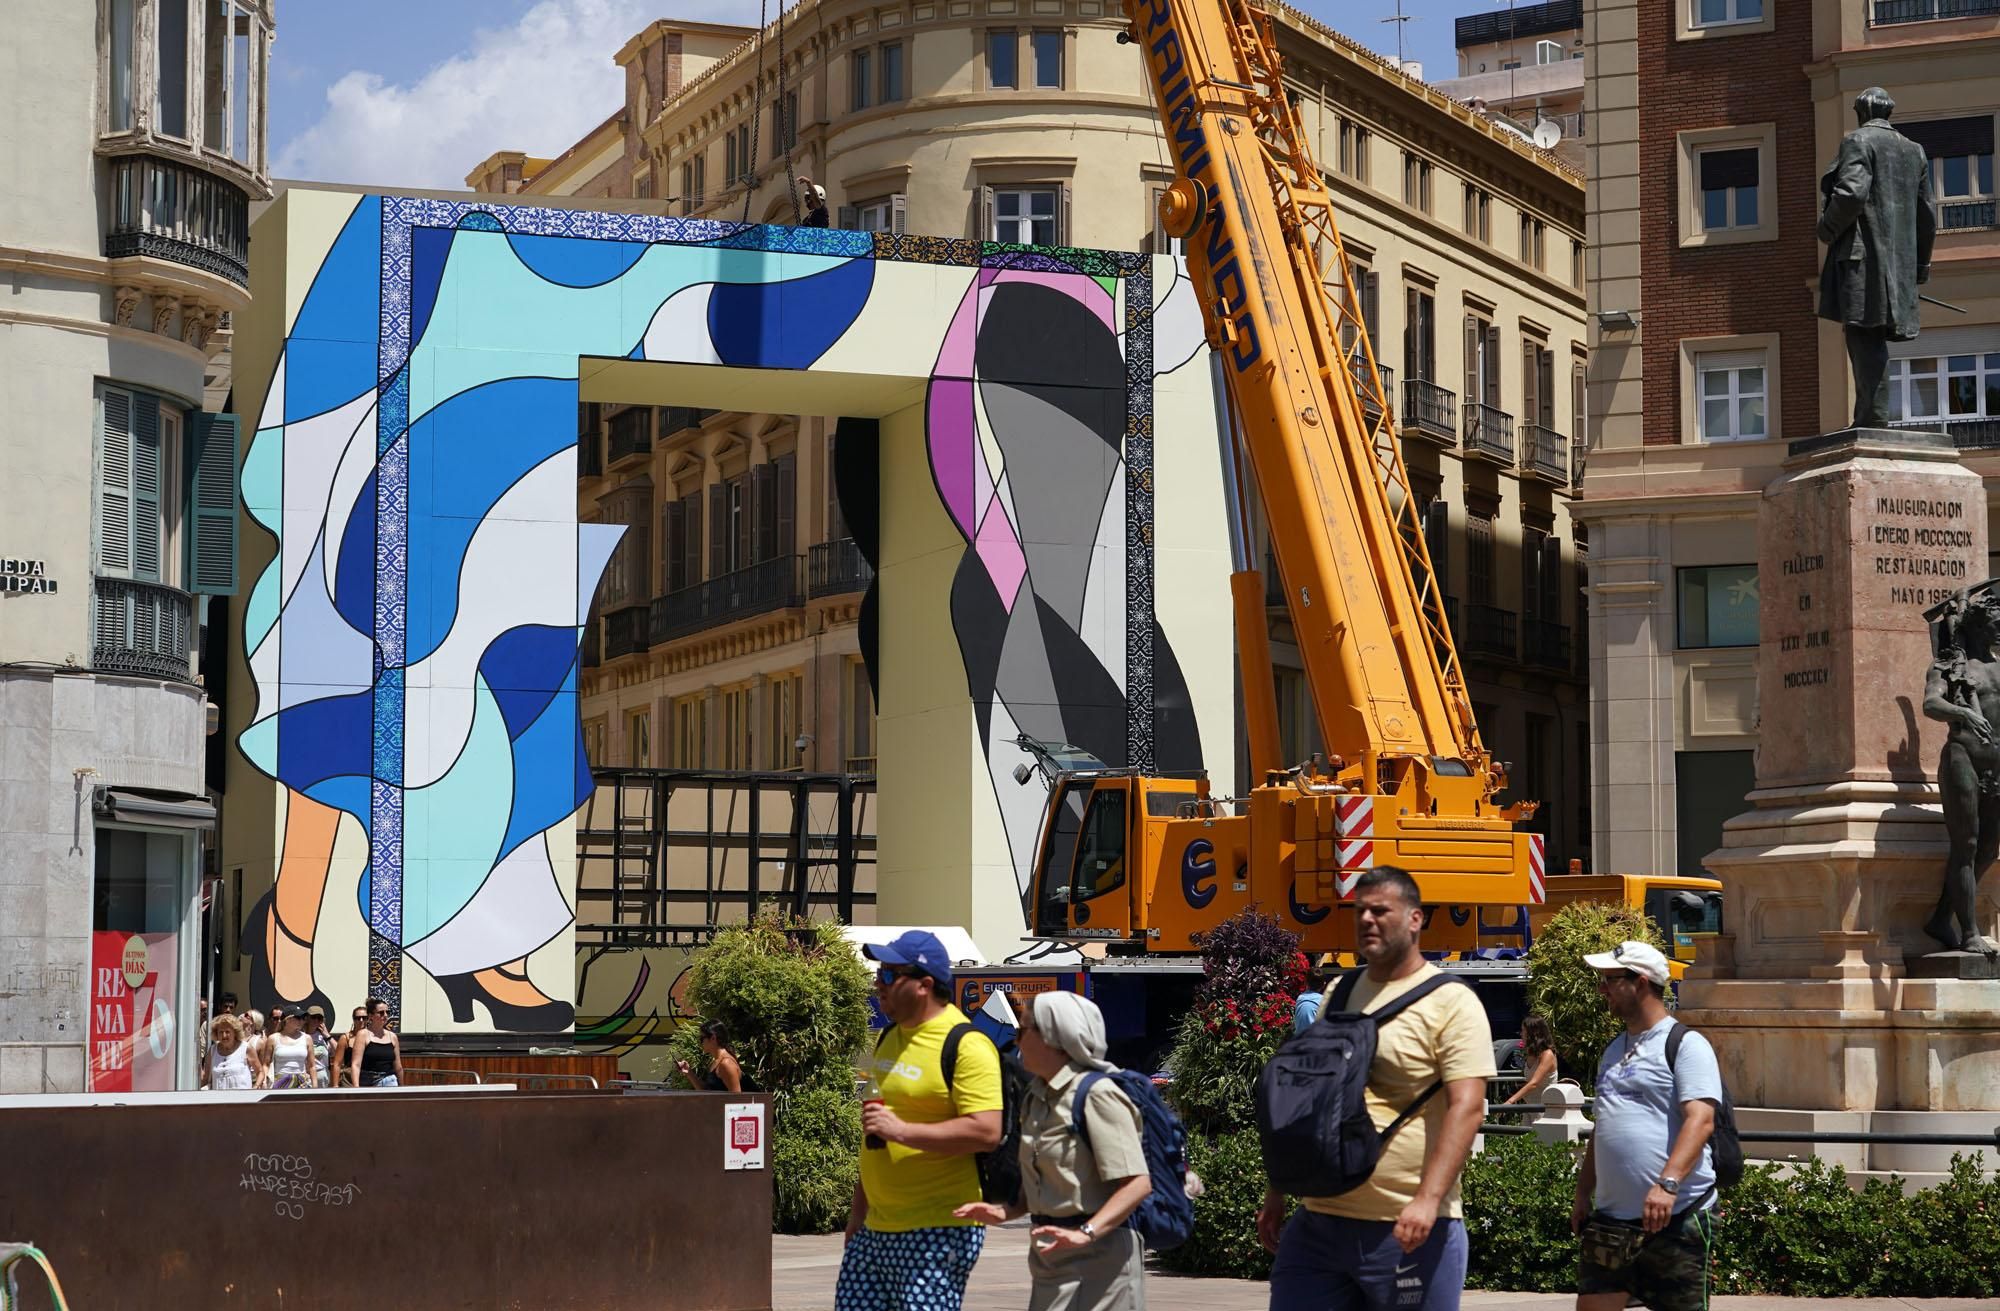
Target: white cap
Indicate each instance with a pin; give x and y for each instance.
(1642, 958)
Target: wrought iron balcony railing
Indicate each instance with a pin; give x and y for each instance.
(631, 433)
(1491, 631)
(172, 211)
(1429, 409)
(1489, 432)
(1359, 368)
(1966, 434)
(1544, 453)
(142, 628)
(1884, 13)
(835, 568)
(760, 589)
(626, 632)
(1548, 644)
(1967, 215)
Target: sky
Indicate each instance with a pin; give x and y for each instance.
(416, 92)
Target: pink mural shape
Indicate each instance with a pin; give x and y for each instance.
(1000, 551)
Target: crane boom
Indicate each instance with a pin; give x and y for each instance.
(1259, 236)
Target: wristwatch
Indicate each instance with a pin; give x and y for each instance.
(1669, 1185)
(1088, 1230)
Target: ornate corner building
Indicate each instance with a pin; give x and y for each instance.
(124, 235)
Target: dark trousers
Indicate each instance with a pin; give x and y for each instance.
(1868, 354)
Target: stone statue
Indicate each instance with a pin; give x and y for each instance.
(1963, 690)
(1877, 225)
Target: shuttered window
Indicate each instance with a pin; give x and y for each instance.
(212, 544)
(165, 507)
(114, 484)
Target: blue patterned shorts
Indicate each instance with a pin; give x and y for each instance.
(917, 1270)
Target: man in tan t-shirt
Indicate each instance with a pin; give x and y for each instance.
(1398, 1241)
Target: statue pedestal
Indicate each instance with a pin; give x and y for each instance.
(1824, 995)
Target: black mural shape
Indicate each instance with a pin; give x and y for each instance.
(857, 485)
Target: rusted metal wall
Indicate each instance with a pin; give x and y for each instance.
(530, 1073)
(409, 1200)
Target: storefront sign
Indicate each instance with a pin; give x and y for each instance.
(743, 1136)
(132, 1028)
(27, 576)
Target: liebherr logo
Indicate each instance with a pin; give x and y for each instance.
(1175, 85)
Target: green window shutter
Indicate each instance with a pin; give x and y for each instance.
(146, 488)
(212, 504)
(114, 485)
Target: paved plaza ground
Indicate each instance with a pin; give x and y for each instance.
(803, 1271)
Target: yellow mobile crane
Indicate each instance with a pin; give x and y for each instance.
(1151, 861)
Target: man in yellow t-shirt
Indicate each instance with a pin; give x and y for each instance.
(905, 1250)
(1398, 1240)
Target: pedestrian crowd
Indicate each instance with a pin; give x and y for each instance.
(291, 1047)
(1367, 1123)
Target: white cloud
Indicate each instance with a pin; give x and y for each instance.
(536, 86)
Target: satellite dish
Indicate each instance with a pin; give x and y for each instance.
(1547, 133)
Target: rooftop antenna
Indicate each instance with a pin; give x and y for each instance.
(1400, 19)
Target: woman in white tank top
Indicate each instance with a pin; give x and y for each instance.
(289, 1053)
(228, 1056)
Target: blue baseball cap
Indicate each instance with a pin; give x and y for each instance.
(917, 949)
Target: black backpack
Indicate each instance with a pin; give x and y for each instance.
(999, 1169)
(1312, 1104)
(1725, 1148)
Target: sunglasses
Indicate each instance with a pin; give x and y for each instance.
(888, 974)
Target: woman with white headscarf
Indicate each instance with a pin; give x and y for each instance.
(1080, 1190)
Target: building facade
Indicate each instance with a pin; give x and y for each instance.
(1712, 121)
(139, 127)
(730, 621)
(1526, 62)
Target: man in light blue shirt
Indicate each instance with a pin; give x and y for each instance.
(1306, 1009)
(1647, 1186)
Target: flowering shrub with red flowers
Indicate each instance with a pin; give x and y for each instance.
(1252, 973)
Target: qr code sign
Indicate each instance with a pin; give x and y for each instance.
(743, 1133)
(743, 1136)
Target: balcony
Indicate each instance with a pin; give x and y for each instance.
(165, 210)
(1884, 13)
(1489, 433)
(1966, 215)
(1544, 454)
(1528, 20)
(625, 632)
(591, 652)
(1430, 410)
(760, 589)
(1359, 368)
(1548, 644)
(589, 454)
(1492, 632)
(142, 628)
(1576, 452)
(1966, 434)
(836, 568)
(631, 434)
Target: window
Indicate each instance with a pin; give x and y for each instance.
(1961, 160)
(1482, 362)
(1478, 213)
(1945, 387)
(1100, 853)
(121, 66)
(1416, 182)
(690, 727)
(729, 515)
(785, 123)
(682, 529)
(731, 163)
(787, 695)
(166, 501)
(1026, 215)
(857, 717)
(1048, 47)
(642, 187)
(1352, 159)
(1575, 263)
(694, 181)
(1717, 606)
(1003, 52)
(1730, 389)
(861, 79)
(1579, 405)
(889, 214)
(1725, 13)
(1728, 183)
(1478, 557)
(746, 162)
(1550, 52)
(1419, 333)
(894, 85)
(593, 742)
(1534, 234)
(144, 888)
(1538, 383)
(1437, 540)
(226, 92)
(736, 721)
(639, 739)
(1366, 302)
(171, 109)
